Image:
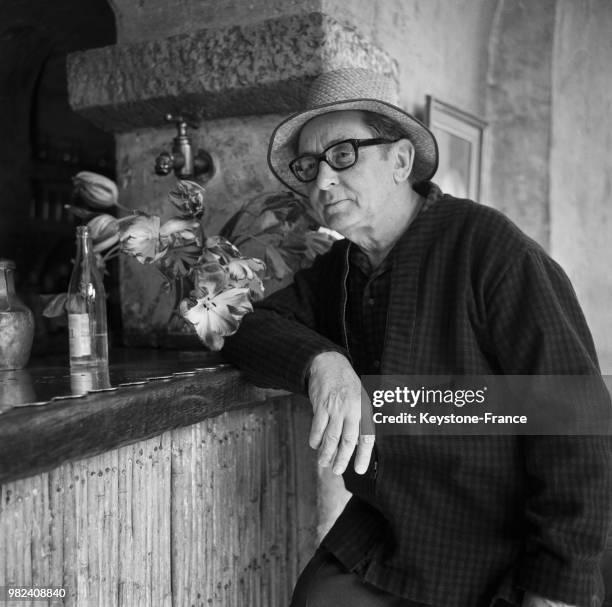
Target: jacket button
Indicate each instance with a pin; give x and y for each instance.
(376, 364)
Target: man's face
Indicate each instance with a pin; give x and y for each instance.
(353, 201)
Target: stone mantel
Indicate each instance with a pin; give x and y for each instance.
(240, 70)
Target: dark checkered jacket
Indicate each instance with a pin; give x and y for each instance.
(455, 521)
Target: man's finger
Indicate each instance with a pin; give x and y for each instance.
(364, 453)
(350, 434)
(317, 428)
(331, 440)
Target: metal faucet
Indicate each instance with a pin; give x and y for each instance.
(182, 160)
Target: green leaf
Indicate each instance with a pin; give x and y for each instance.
(178, 261)
(56, 306)
(230, 225)
(276, 264)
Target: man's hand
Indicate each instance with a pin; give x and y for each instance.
(533, 600)
(336, 396)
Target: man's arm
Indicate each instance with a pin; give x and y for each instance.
(538, 327)
(280, 346)
(276, 344)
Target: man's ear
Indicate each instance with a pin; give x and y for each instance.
(404, 160)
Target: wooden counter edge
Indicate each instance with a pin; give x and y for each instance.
(39, 438)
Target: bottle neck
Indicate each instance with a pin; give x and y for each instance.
(7, 284)
(84, 244)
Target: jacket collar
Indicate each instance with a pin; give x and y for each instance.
(405, 259)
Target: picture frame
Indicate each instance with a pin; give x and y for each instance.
(461, 142)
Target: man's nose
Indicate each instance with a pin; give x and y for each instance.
(326, 177)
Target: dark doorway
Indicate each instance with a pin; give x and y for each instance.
(43, 143)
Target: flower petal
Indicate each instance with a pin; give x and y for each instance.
(245, 268)
(235, 300)
(221, 249)
(215, 317)
(178, 260)
(177, 228)
(104, 231)
(95, 189)
(188, 197)
(209, 279)
(140, 238)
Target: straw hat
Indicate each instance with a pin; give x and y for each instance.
(350, 89)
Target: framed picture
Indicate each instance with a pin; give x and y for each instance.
(460, 144)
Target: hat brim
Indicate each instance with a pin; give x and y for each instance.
(281, 150)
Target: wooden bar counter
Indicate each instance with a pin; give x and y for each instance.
(178, 484)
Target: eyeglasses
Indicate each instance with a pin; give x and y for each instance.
(339, 156)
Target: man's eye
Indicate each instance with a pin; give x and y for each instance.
(307, 164)
(343, 156)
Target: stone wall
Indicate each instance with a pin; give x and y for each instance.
(441, 46)
(581, 159)
(238, 146)
(518, 99)
(156, 19)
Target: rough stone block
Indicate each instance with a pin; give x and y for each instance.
(215, 73)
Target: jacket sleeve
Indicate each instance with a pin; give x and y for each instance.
(538, 328)
(275, 345)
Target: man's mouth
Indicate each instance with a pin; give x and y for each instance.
(333, 203)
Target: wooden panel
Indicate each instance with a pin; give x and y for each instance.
(220, 513)
(38, 439)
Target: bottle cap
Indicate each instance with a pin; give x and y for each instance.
(82, 231)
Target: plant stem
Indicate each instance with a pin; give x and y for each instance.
(124, 208)
(112, 252)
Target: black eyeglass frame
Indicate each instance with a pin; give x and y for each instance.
(356, 143)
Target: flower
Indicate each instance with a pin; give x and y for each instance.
(218, 308)
(96, 190)
(104, 230)
(188, 198)
(245, 268)
(140, 239)
(178, 231)
(222, 274)
(245, 271)
(219, 249)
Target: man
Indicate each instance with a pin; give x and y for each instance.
(425, 284)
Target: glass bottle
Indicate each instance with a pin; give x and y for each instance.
(87, 379)
(88, 336)
(16, 322)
